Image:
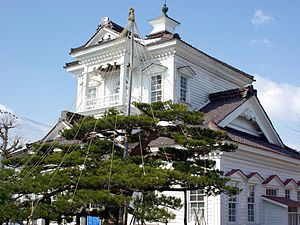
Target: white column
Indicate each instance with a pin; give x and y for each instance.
(122, 91)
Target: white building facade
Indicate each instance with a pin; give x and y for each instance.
(266, 171)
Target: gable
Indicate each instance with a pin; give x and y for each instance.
(255, 178)
(273, 181)
(251, 118)
(154, 69)
(103, 34)
(54, 133)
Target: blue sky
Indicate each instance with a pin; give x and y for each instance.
(258, 36)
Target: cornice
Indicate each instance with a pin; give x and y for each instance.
(207, 64)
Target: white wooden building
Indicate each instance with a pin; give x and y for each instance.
(267, 171)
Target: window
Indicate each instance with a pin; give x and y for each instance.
(156, 91)
(251, 203)
(232, 208)
(183, 88)
(287, 194)
(196, 204)
(91, 93)
(293, 216)
(271, 192)
(298, 196)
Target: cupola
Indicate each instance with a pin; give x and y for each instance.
(163, 23)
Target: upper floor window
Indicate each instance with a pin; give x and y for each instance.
(251, 203)
(155, 88)
(287, 194)
(91, 93)
(271, 192)
(183, 88)
(196, 204)
(298, 196)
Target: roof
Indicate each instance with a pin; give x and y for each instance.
(167, 36)
(225, 102)
(284, 201)
(260, 143)
(270, 178)
(109, 25)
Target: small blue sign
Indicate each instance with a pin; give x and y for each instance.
(93, 220)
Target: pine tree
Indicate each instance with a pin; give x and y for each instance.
(62, 181)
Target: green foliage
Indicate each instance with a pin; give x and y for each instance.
(59, 179)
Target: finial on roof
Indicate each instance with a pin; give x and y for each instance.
(165, 8)
(131, 16)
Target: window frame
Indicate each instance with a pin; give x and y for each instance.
(271, 190)
(293, 216)
(287, 193)
(251, 202)
(233, 203)
(87, 92)
(183, 89)
(156, 90)
(198, 201)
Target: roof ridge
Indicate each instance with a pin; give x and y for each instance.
(244, 92)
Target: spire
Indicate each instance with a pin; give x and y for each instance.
(131, 16)
(165, 8)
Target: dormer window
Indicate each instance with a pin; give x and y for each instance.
(183, 88)
(271, 192)
(288, 194)
(155, 89)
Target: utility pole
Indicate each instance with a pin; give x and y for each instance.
(131, 20)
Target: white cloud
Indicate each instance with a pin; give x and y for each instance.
(261, 42)
(279, 99)
(260, 18)
(282, 103)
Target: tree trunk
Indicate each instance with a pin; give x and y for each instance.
(185, 207)
(47, 221)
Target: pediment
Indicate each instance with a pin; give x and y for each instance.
(255, 178)
(187, 71)
(103, 34)
(236, 175)
(251, 118)
(290, 183)
(56, 131)
(273, 181)
(154, 68)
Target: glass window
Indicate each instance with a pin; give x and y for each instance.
(293, 216)
(91, 93)
(232, 208)
(183, 88)
(197, 204)
(298, 196)
(287, 194)
(156, 91)
(271, 192)
(251, 203)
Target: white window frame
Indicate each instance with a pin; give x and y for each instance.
(271, 192)
(287, 193)
(156, 90)
(251, 203)
(183, 89)
(293, 216)
(196, 198)
(233, 203)
(87, 92)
